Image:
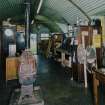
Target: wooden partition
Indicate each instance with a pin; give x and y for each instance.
(12, 64)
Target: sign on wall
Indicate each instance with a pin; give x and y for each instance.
(33, 43)
(97, 41)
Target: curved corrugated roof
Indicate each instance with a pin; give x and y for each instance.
(62, 11)
(68, 11)
(14, 8)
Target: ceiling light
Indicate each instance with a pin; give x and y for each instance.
(39, 7)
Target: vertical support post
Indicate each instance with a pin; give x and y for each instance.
(63, 58)
(85, 72)
(1, 53)
(27, 38)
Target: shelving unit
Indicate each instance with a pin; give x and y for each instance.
(56, 41)
(64, 57)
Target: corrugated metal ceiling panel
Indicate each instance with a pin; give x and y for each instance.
(57, 9)
(12, 8)
(9, 8)
(70, 12)
(65, 8)
(91, 6)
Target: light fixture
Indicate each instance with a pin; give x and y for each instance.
(39, 7)
(8, 32)
(32, 22)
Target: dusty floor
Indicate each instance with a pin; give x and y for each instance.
(56, 86)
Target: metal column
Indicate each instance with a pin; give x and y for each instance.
(27, 20)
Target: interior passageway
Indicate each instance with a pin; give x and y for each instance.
(56, 86)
